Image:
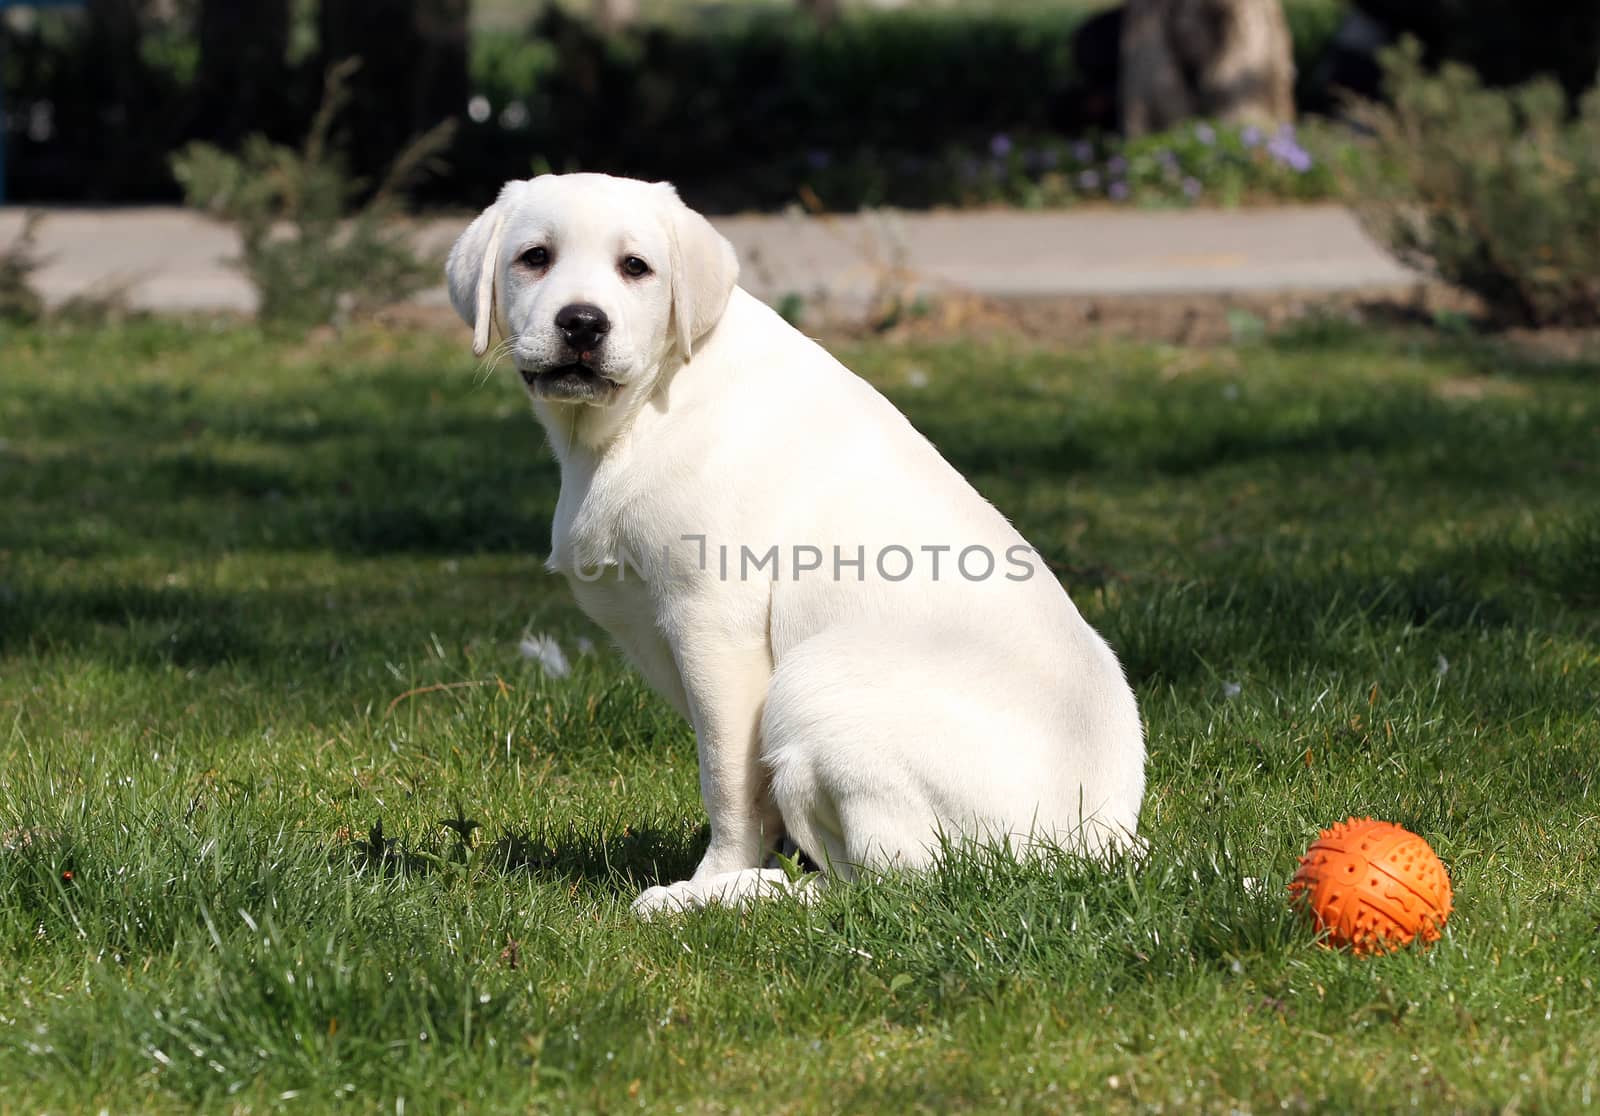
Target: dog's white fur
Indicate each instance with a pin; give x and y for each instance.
(864, 714)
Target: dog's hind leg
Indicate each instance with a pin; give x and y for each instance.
(883, 743)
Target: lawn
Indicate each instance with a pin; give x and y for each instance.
(261, 613)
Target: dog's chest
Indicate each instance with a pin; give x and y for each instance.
(596, 544)
(584, 539)
(588, 534)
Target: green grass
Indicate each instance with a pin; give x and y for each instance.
(228, 564)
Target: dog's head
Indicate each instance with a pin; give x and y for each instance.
(596, 283)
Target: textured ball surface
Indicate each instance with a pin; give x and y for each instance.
(1372, 886)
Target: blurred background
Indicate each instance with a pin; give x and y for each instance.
(743, 103)
(1453, 142)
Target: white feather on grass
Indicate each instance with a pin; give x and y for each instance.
(544, 650)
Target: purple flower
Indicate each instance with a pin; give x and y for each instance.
(1167, 158)
(1285, 150)
(1191, 188)
(1205, 133)
(1250, 136)
(1117, 191)
(1117, 164)
(818, 159)
(1083, 151)
(1000, 145)
(1089, 180)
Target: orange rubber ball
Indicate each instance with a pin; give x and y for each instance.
(1372, 886)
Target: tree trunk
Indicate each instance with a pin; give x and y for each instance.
(615, 15)
(1229, 60)
(824, 12)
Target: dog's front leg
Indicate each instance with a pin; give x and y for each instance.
(726, 683)
(727, 687)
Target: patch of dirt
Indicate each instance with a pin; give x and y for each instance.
(1473, 388)
(1174, 319)
(1555, 345)
(1177, 319)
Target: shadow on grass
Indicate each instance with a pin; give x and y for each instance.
(1176, 633)
(295, 469)
(175, 472)
(635, 859)
(1290, 617)
(180, 626)
(264, 630)
(1268, 608)
(624, 863)
(1414, 437)
(1542, 356)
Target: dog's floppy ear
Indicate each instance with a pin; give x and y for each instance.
(704, 271)
(473, 269)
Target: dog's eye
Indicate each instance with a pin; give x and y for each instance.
(634, 267)
(537, 256)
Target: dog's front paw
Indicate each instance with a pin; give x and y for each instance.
(731, 889)
(668, 899)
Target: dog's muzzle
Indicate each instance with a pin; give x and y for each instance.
(570, 383)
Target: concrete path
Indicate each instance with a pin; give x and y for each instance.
(173, 260)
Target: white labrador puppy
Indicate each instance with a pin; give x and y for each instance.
(872, 658)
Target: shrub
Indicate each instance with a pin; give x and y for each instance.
(1202, 163)
(1199, 163)
(311, 258)
(1495, 191)
(20, 304)
(734, 102)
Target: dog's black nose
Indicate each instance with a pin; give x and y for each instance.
(582, 325)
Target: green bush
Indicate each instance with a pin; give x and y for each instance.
(912, 107)
(312, 254)
(20, 304)
(1495, 191)
(1203, 163)
(736, 103)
